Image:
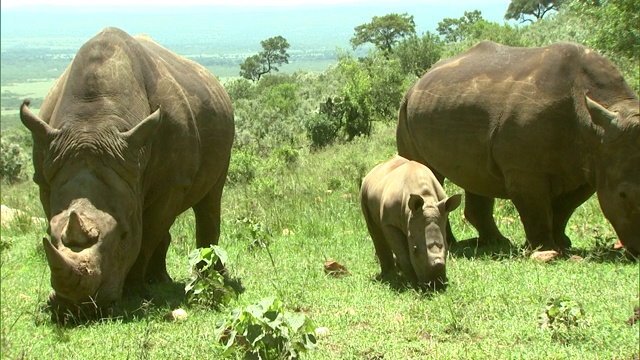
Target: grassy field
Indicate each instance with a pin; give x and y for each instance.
(310, 211)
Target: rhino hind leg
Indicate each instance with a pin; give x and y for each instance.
(478, 210)
(207, 213)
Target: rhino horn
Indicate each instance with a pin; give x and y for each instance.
(60, 265)
(78, 233)
(37, 126)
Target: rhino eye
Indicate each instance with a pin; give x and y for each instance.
(415, 249)
(623, 195)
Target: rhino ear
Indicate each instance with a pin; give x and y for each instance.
(37, 126)
(600, 115)
(138, 136)
(415, 202)
(451, 203)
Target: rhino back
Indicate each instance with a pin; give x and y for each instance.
(387, 187)
(481, 114)
(116, 80)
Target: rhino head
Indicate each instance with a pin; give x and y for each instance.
(618, 167)
(427, 239)
(90, 189)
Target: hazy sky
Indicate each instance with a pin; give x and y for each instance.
(84, 3)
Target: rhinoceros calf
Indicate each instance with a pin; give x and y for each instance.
(545, 127)
(406, 211)
(129, 137)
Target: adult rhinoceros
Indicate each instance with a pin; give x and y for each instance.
(544, 127)
(130, 136)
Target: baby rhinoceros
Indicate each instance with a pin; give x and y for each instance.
(406, 211)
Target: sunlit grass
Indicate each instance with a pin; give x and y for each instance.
(310, 212)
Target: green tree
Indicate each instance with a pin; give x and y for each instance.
(520, 9)
(617, 30)
(455, 30)
(417, 54)
(384, 31)
(273, 54)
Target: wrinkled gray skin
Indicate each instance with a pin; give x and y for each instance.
(545, 127)
(130, 136)
(406, 211)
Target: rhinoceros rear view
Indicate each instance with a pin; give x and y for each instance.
(544, 127)
(130, 136)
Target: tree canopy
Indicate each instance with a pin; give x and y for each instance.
(455, 30)
(384, 31)
(274, 54)
(521, 9)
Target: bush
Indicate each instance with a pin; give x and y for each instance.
(242, 167)
(207, 287)
(13, 163)
(266, 331)
(322, 130)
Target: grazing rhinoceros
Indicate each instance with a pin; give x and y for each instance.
(544, 127)
(130, 136)
(406, 211)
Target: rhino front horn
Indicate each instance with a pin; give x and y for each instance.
(60, 265)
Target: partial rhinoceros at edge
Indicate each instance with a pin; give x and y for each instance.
(545, 127)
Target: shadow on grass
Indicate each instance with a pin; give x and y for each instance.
(131, 308)
(471, 249)
(399, 284)
(601, 252)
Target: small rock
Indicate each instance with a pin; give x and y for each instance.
(322, 332)
(177, 314)
(545, 256)
(576, 258)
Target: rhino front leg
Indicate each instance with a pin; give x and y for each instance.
(563, 208)
(397, 241)
(157, 268)
(531, 196)
(478, 210)
(383, 251)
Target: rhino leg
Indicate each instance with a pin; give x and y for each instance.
(157, 267)
(563, 208)
(531, 196)
(383, 251)
(207, 213)
(397, 241)
(478, 210)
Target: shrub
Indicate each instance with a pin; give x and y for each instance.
(207, 287)
(242, 167)
(322, 130)
(13, 163)
(266, 331)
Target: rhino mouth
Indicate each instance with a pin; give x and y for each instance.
(435, 285)
(75, 276)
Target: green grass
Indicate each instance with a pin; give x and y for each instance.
(489, 311)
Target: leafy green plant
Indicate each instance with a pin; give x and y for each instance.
(258, 235)
(266, 331)
(207, 286)
(562, 315)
